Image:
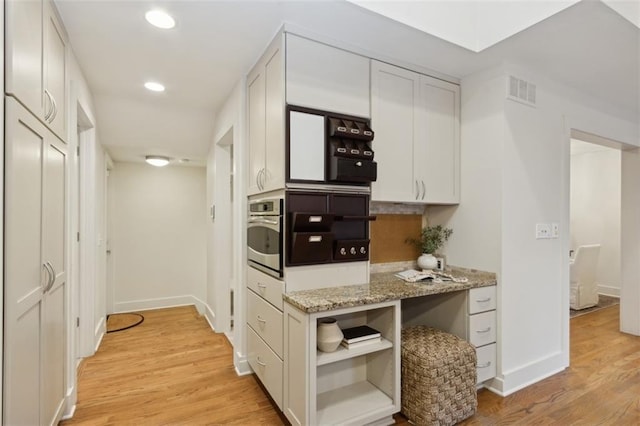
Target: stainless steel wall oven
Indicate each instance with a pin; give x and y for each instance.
(264, 235)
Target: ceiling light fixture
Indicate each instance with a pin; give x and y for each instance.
(160, 19)
(157, 160)
(154, 87)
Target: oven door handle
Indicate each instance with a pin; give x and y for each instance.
(263, 221)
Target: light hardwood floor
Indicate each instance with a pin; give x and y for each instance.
(173, 369)
(170, 370)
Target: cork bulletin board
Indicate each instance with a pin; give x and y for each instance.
(388, 234)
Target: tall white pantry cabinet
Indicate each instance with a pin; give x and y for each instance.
(35, 276)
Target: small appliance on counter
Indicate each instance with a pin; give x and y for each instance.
(330, 148)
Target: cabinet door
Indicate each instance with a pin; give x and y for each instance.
(256, 118)
(23, 54)
(54, 252)
(393, 98)
(326, 78)
(274, 116)
(25, 275)
(54, 73)
(439, 136)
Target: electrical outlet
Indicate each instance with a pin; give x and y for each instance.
(555, 230)
(543, 231)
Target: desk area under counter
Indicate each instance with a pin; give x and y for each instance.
(362, 385)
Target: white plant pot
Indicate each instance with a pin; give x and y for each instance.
(427, 261)
(329, 335)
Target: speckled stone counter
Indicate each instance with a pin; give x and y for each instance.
(381, 288)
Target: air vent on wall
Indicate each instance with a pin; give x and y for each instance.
(521, 91)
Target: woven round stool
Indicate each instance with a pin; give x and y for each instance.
(438, 377)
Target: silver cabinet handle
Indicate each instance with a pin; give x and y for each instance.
(51, 274)
(486, 330)
(258, 178)
(261, 363)
(260, 285)
(50, 112)
(45, 266)
(424, 190)
(485, 365)
(259, 318)
(54, 114)
(417, 190)
(483, 300)
(264, 177)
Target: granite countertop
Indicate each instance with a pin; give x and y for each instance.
(383, 287)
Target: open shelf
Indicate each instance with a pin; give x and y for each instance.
(340, 405)
(341, 353)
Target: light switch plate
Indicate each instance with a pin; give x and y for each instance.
(555, 230)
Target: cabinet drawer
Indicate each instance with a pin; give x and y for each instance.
(267, 287)
(482, 328)
(486, 367)
(266, 365)
(482, 299)
(266, 321)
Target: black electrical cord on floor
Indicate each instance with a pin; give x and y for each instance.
(127, 327)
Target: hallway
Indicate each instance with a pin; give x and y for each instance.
(171, 369)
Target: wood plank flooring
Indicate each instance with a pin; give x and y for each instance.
(173, 369)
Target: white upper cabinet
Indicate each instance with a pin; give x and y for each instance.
(393, 96)
(265, 98)
(54, 77)
(23, 54)
(326, 78)
(439, 136)
(416, 120)
(36, 61)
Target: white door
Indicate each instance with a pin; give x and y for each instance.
(393, 97)
(26, 275)
(54, 252)
(35, 275)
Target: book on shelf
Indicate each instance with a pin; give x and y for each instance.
(359, 333)
(361, 343)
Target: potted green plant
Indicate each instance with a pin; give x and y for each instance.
(431, 239)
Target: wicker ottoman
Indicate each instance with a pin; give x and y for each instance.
(438, 377)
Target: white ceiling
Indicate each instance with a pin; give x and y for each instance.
(587, 46)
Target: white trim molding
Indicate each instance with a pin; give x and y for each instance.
(514, 380)
(159, 303)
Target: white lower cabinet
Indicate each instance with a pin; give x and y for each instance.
(469, 314)
(266, 364)
(264, 331)
(486, 366)
(348, 386)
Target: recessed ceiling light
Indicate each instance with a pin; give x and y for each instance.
(157, 160)
(160, 19)
(154, 87)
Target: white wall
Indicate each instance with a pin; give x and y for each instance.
(515, 173)
(595, 208)
(159, 237)
(229, 224)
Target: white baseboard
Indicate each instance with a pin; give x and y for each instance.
(159, 303)
(609, 290)
(242, 365)
(69, 411)
(210, 316)
(519, 378)
(99, 332)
